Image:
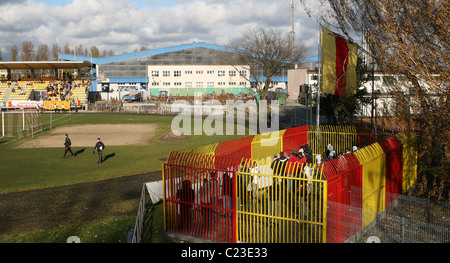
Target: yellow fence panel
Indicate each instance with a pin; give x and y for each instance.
(208, 150)
(267, 144)
(373, 161)
(409, 142)
(275, 207)
(342, 138)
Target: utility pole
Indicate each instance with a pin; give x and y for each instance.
(292, 28)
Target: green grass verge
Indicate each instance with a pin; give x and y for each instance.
(107, 230)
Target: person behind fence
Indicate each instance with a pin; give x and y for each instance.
(316, 202)
(301, 157)
(291, 167)
(347, 151)
(278, 165)
(275, 195)
(99, 146)
(68, 146)
(254, 186)
(332, 154)
(305, 188)
(243, 180)
(209, 195)
(308, 153)
(186, 195)
(227, 192)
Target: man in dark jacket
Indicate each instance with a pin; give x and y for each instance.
(68, 146)
(99, 146)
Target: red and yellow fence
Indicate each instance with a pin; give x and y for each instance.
(237, 191)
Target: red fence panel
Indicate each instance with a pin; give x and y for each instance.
(241, 148)
(293, 138)
(344, 178)
(198, 199)
(393, 149)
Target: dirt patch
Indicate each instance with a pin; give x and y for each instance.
(86, 135)
(171, 137)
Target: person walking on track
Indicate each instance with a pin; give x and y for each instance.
(99, 146)
(68, 146)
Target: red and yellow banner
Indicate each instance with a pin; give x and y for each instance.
(339, 59)
(60, 105)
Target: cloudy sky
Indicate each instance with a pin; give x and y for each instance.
(125, 25)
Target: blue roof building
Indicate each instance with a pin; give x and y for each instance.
(178, 70)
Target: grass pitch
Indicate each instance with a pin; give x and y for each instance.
(24, 169)
(30, 168)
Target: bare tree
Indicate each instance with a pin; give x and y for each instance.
(79, 50)
(95, 53)
(43, 52)
(14, 51)
(266, 53)
(55, 51)
(27, 52)
(67, 49)
(410, 40)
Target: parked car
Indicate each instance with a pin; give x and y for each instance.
(132, 96)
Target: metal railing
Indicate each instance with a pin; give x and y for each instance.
(139, 225)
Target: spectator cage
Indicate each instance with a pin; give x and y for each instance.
(238, 191)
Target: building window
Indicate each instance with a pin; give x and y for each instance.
(232, 83)
(188, 84)
(199, 84)
(177, 73)
(210, 72)
(155, 73)
(177, 84)
(243, 73)
(166, 83)
(210, 85)
(199, 72)
(221, 83)
(221, 73)
(243, 84)
(232, 73)
(188, 72)
(166, 73)
(154, 83)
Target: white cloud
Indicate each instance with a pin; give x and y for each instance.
(123, 25)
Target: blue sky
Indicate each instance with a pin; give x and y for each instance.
(123, 26)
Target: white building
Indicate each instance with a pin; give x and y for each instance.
(183, 70)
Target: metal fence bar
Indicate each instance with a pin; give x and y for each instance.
(138, 226)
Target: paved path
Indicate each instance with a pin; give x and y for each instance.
(51, 207)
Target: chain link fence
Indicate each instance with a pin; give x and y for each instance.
(407, 220)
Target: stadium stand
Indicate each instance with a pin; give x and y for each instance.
(3, 88)
(54, 90)
(79, 92)
(21, 91)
